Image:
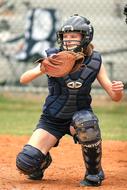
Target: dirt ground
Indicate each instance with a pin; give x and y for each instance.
(67, 168)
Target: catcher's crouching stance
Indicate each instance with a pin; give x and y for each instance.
(71, 70)
(33, 162)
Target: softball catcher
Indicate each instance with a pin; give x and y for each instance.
(71, 69)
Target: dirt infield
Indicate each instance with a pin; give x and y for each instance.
(67, 168)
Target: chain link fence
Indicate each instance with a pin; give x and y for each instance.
(18, 51)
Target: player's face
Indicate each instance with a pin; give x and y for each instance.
(71, 40)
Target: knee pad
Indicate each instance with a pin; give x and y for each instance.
(31, 160)
(87, 128)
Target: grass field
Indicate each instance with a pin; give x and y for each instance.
(19, 116)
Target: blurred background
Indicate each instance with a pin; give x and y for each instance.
(27, 28)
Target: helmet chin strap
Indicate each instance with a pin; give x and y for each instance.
(66, 46)
(78, 49)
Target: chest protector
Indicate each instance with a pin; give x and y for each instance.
(72, 92)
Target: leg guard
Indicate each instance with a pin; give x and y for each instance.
(89, 136)
(92, 159)
(32, 161)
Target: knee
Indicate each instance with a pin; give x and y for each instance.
(87, 128)
(31, 159)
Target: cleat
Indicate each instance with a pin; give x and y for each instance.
(93, 180)
(101, 175)
(86, 182)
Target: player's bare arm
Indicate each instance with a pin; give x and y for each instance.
(113, 88)
(31, 74)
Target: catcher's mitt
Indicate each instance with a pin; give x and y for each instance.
(62, 63)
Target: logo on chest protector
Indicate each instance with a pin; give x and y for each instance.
(74, 84)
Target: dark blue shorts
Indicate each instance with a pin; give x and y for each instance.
(56, 127)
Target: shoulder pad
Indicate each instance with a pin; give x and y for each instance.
(96, 55)
(95, 61)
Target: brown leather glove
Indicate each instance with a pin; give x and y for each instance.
(62, 63)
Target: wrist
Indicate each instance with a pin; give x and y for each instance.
(42, 69)
(117, 96)
(39, 70)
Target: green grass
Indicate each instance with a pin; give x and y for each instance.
(19, 116)
(113, 120)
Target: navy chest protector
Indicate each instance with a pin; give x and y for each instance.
(72, 92)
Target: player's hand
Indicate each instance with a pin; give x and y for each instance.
(117, 86)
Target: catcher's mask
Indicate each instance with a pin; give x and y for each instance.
(80, 25)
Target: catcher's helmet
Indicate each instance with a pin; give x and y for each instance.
(78, 24)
